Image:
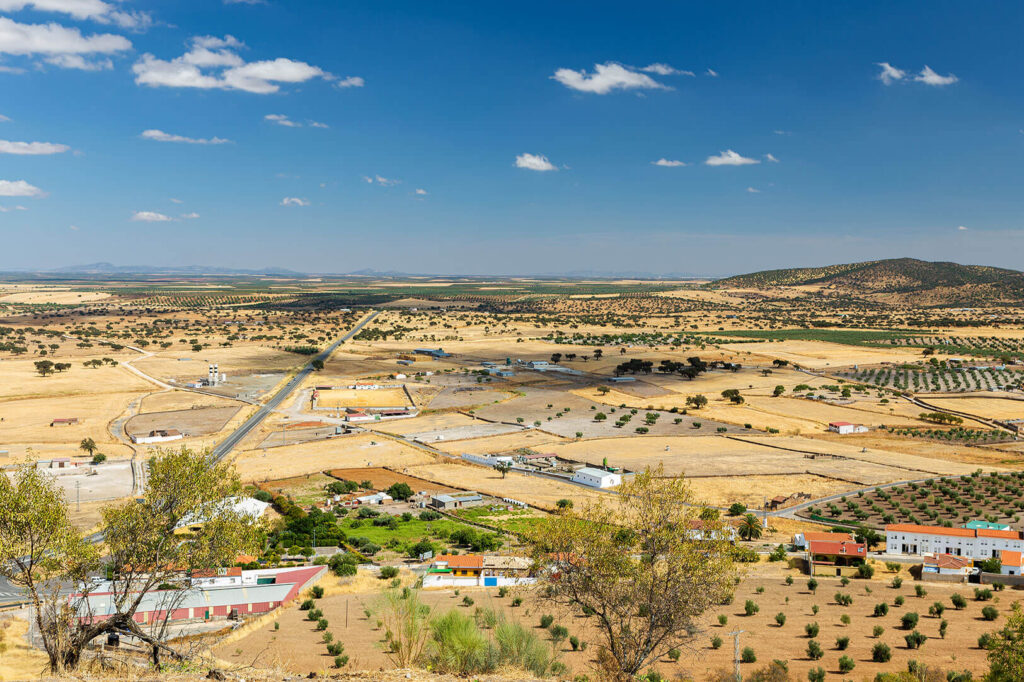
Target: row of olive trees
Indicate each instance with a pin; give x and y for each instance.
(142, 549)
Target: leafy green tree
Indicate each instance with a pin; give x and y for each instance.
(88, 445)
(44, 367)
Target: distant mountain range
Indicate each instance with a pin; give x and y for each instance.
(897, 278)
(111, 269)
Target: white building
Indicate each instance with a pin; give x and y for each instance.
(596, 478)
(376, 498)
(160, 436)
(975, 543)
(946, 564)
(845, 428)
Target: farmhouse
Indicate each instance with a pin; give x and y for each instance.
(975, 543)
(64, 421)
(845, 428)
(1012, 563)
(596, 478)
(376, 498)
(158, 436)
(456, 500)
(833, 557)
(478, 571)
(946, 564)
(257, 591)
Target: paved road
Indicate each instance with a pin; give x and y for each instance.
(228, 444)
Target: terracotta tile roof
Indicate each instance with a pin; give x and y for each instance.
(929, 530)
(1005, 534)
(824, 536)
(461, 560)
(1009, 558)
(950, 561)
(841, 548)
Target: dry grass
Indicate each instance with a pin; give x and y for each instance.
(753, 490)
(991, 407)
(19, 661)
(350, 397)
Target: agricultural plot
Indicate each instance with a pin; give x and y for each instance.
(382, 479)
(990, 407)
(197, 422)
(927, 379)
(949, 501)
(480, 429)
(372, 398)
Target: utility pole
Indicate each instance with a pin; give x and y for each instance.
(736, 651)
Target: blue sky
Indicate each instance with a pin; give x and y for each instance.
(507, 138)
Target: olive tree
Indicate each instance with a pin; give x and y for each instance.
(644, 563)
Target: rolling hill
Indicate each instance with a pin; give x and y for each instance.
(940, 282)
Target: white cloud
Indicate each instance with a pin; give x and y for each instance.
(189, 216)
(386, 182)
(57, 43)
(962, 228)
(31, 148)
(294, 201)
(19, 188)
(753, 190)
(534, 162)
(282, 120)
(350, 82)
(161, 136)
(607, 77)
(929, 77)
(666, 70)
(11, 69)
(3, 119)
(73, 228)
(77, 61)
(890, 74)
(729, 158)
(150, 217)
(175, 201)
(96, 10)
(667, 163)
(782, 132)
(712, 73)
(318, 124)
(421, 192)
(211, 63)
(770, 157)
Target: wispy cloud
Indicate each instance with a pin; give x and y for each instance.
(31, 148)
(421, 192)
(666, 70)
(381, 180)
(282, 120)
(150, 217)
(19, 188)
(890, 74)
(189, 216)
(962, 228)
(161, 136)
(771, 158)
(668, 163)
(929, 77)
(712, 73)
(753, 190)
(534, 162)
(294, 201)
(350, 82)
(606, 78)
(729, 158)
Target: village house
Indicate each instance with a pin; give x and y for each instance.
(846, 428)
(946, 564)
(975, 543)
(596, 478)
(838, 556)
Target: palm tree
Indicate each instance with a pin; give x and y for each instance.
(750, 527)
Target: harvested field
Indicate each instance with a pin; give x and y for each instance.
(382, 479)
(19, 379)
(427, 422)
(465, 397)
(822, 354)
(168, 401)
(529, 438)
(477, 430)
(753, 490)
(53, 297)
(305, 490)
(196, 422)
(990, 407)
(534, 490)
(352, 451)
(182, 364)
(348, 397)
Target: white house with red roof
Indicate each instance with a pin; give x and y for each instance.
(975, 543)
(1013, 562)
(846, 428)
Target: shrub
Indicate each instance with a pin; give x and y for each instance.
(897, 582)
(986, 641)
(990, 613)
(518, 601)
(909, 620)
(559, 633)
(942, 628)
(751, 607)
(842, 643)
(306, 605)
(982, 594)
(812, 630)
(844, 581)
(865, 570)
(920, 591)
(844, 619)
(814, 650)
(521, 647)
(881, 609)
(467, 601)
(458, 646)
(846, 664)
(780, 618)
(915, 639)
(340, 661)
(812, 585)
(716, 642)
(502, 592)
(388, 572)
(546, 621)
(816, 675)
(959, 601)
(843, 599)
(674, 654)
(877, 631)
(936, 609)
(317, 592)
(789, 580)
(881, 653)
(723, 619)
(321, 624)
(748, 655)
(899, 600)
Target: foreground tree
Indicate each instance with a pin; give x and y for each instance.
(644, 563)
(185, 521)
(1006, 651)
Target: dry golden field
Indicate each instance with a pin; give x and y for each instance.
(346, 397)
